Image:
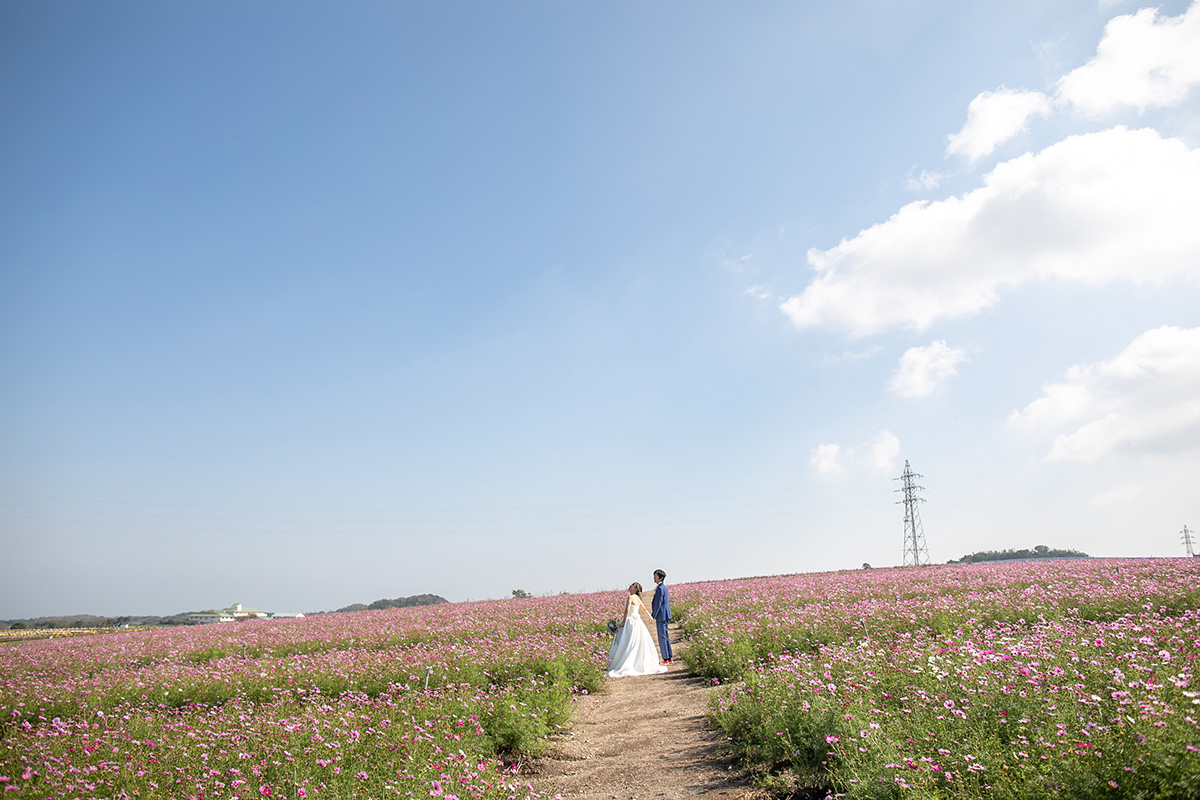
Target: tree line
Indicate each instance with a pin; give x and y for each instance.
(1040, 551)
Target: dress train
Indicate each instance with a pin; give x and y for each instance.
(633, 651)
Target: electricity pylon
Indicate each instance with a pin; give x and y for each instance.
(915, 551)
(1186, 535)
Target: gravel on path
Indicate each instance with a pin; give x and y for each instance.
(642, 738)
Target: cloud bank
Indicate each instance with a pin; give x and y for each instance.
(1146, 399)
(1143, 61)
(1093, 209)
(1115, 205)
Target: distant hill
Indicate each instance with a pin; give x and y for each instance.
(93, 621)
(398, 602)
(1041, 551)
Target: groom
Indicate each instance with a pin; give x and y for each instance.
(660, 609)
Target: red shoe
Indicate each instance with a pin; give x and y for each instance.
(665, 662)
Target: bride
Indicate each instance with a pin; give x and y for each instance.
(633, 651)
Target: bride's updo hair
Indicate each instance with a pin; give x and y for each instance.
(635, 588)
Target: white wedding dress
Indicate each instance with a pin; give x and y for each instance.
(633, 651)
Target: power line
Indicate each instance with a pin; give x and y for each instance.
(724, 509)
(464, 528)
(444, 516)
(987, 520)
(436, 509)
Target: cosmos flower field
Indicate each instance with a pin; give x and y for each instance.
(443, 701)
(1051, 679)
(1054, 679)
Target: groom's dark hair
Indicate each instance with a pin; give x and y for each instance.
(658, 573)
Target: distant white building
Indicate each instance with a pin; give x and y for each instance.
(235, 613)
(240, 612)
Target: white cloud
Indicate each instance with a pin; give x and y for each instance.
(924, 369)
(827, 458)
(1095, 208)
(995, 117)
(925, 181)
(758, 293)
(883, 452)
(1143, 61)
(878, 455)
(858, 355)
(1146, 399)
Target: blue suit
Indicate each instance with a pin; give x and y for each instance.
(660, 609)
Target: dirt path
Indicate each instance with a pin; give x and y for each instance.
(643, 738)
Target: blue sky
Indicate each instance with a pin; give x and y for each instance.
(304, 305)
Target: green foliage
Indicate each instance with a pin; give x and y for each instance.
(1074, 688)
(1040, 551)
(398, 602)
(438, 702)
(408, 602)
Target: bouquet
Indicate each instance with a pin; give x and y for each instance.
(613, 625)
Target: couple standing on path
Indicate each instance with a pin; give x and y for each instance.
(632, 651)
